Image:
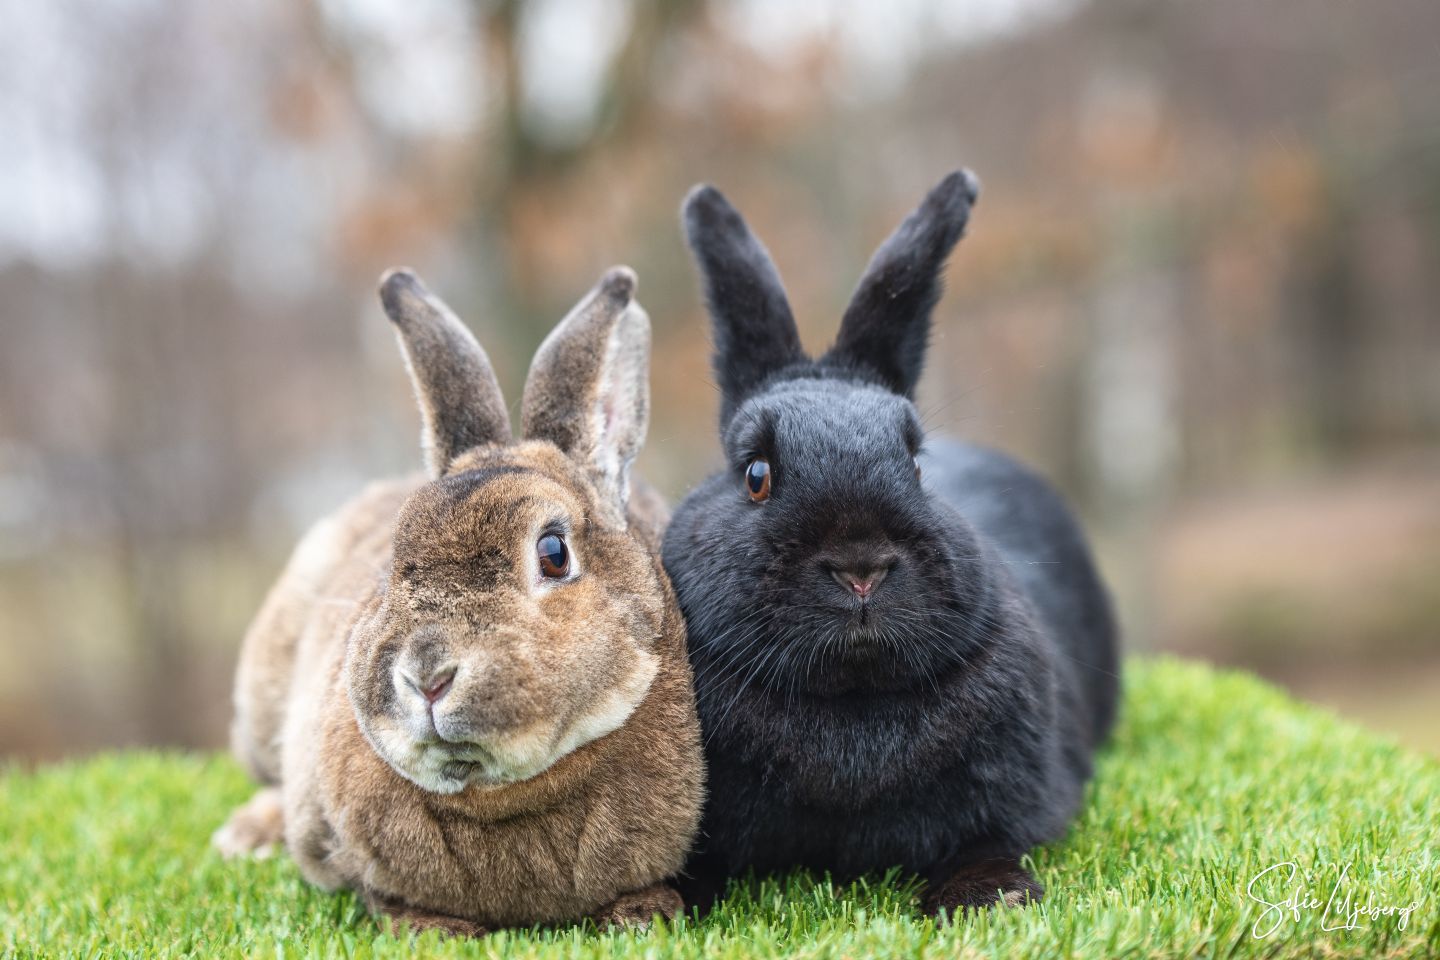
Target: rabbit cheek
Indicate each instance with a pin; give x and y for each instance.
(602, 654)
(528, 715)
(604, 711)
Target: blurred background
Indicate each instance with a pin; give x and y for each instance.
(1201, 291)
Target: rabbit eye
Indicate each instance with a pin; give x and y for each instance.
(757, 479)
(554, 556)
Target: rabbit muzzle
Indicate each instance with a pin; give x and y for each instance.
(486, 710)
(479, 718)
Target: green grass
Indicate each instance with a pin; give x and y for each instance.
(1211, 778)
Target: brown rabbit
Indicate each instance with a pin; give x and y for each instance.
(470, 697)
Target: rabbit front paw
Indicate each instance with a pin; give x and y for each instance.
(985, 884)
(638, 908)
(398, 918)
(255, 829)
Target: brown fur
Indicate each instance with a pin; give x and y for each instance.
(459, 398)
(414, 577)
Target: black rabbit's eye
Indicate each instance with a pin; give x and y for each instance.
(554, 557)
(757, 479)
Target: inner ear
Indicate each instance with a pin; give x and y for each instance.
(588, 391)
(622, 404)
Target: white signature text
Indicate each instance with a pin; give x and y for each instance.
(1342, 910)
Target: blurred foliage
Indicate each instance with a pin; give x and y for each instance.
(1204, 269)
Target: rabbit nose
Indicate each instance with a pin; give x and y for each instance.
(437, 686)
(860, 583)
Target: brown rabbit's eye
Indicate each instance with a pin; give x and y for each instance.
(757, 479)
(554, 557)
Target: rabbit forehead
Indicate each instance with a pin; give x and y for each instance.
(824, 418)
(492, 500)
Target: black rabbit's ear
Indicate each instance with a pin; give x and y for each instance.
(754, 330)
(460, 400)
(887, 324)
(588, 391)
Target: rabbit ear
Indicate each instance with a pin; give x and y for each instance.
(887, 324)
(460, 401)
(588, 391)
(754, 330)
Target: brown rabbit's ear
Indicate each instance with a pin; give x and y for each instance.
(460, 401)
(588, 391)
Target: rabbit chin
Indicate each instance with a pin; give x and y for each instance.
(510, 757)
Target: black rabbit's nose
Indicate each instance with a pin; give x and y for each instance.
(860, 583)
(438, 685)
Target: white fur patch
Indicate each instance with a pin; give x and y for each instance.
(621, 411)
(421, 764)
(614, 709)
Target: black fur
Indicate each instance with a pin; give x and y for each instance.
(887, 324)
(754, 331)
(944, 725)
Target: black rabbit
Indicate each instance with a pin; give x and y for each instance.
(903, 653)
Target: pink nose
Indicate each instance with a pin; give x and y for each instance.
(862, 585)
(438, 686)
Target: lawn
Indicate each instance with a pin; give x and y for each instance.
(1211, 778)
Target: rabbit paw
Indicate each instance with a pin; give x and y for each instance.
(979, 886)
(638, 908)
(255, 829)
(398, 919)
